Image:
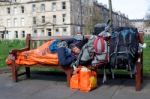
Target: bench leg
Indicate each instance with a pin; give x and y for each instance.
(138, 75)
(14, 73)
(27, 72)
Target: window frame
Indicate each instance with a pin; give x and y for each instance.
(54, 19)
(16, 34)
(34, 20)
(64, 18)
(23, 34)
(22, 22)
(63, 5)
(8, 22)
(43, 19)
(42, 8)
(8, 10)
(15, 22)
(33, 7)
(54, 6)
(22, 9)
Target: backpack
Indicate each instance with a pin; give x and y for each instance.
(94, 52)
(124, 48)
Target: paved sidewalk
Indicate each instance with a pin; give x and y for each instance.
(49, 86)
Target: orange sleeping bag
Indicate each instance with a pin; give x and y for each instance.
(41, 55)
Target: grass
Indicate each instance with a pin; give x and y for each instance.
(6, 46)
(146, 58)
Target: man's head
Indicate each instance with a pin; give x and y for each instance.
(76, 47)
(76, 50)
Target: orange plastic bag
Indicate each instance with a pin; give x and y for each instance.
(88, 80)
(74, 81)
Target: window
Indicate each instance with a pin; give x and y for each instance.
(33, 8)
(145, 30)
(54, 19)
(42, 32)
(23, 34)
(1, 21)
(43, 19)
(22, 9)
(42, 7)
(13, 1)
(15, 10)
(54, 6)
(49, 32)
(16, 34)
(57, 32)
(22, 21)
(8, 23)
(64, 31)
(34, 20)
(15, 22)
(35, 33)
(63, 18)
(63, 5)
(8, 10)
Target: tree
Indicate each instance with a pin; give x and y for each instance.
(94, 18)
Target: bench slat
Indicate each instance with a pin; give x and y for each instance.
(41, 38)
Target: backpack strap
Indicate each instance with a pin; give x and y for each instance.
(102, 44)
(95, 44)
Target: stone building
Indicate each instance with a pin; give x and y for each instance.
(52, 17)
(42, 17)
(119, 19)
(142, 25)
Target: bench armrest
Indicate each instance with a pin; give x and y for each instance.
(14, 51)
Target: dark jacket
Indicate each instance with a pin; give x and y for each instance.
(65, 56)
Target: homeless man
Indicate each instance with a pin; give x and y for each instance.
(68, 55)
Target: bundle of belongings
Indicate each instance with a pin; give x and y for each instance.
(124, 47)
(49, 53)
(79, 51)
(94, 52)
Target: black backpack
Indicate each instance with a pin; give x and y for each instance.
(124, 48)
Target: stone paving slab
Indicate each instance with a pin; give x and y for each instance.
(54, 87)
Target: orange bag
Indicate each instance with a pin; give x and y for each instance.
(74, 81)
(88, 80)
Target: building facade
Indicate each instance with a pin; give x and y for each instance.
(41, 17)
(119, 19)
(141, 25)
(52, 17)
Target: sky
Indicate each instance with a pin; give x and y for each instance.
(134, 9)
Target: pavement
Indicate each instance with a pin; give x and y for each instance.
(53, 86)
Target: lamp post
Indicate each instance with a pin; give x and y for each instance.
(81, 16)
(110, 14)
